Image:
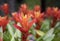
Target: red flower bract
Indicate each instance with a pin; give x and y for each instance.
(37, 8)
(52, 12)
(39, 17)
(3, 22)
(23, 8)
(15, 16)
(5, 8)
(49, 12)
(57, 14)
(25, 23)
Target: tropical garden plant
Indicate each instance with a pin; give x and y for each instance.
(30, 25)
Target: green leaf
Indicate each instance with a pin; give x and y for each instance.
(57, 24)
(40, 32)
(40, 39)
(7, 36)
(17, 36)
(49, 35)
(32, 30)
(1, 32)
(45, 25)
(10, 29)
(57, 28)
(57, 32)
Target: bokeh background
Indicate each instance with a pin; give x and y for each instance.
(14, 4)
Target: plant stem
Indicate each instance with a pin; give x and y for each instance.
(24, 36)
(54, 22)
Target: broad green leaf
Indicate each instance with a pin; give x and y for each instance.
(18, 31)
(45, 25)
(57, 24)
(50, 38)
(32, 30)
(57, 32)
(10, 29)
(40, 32)
(7, 36)
(40, 39)
(57, 37)
(1, 32)
(49, 35)
(17, 35)
(10, 32)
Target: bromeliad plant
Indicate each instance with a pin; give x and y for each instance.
(3, 22)
(5, 8)
(53, 13)
(30, 25)
(38, 15)
(25, 24)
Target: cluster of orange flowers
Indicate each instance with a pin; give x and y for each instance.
(28, 17)
(24, 15)
(53, 12)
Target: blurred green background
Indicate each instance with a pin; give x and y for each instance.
(55, 3)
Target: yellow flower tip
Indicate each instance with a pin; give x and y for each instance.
(55, 8)
(24, 17)
(37, 14)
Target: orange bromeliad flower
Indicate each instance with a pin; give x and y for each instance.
(37, 8)
(5, 8)
(54, 13)
(49, 12)
(23, 8)
(15, 16)
(39, 18)
(58, 16)
(3, 22)
(25, 24)
(37, 13)
(24, 21)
